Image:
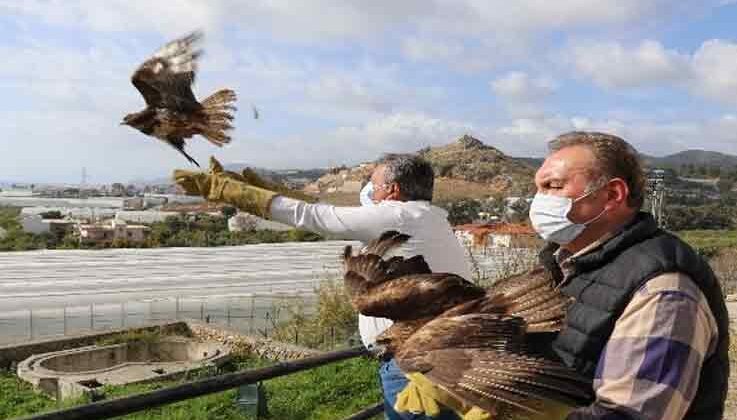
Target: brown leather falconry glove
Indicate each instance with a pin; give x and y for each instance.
(246, 191)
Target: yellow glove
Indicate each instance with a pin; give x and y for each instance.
(223, 186)
(246, 190)
(422, 396)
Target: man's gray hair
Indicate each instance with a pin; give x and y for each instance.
(414, 175)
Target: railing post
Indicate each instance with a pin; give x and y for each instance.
(253, 315)
(65, 320)
(30, 322)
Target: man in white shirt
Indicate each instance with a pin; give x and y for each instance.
(402, 190)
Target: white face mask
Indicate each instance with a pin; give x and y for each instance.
(549, 217)
(366, 195)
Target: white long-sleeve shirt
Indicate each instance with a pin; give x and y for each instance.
(431, 236)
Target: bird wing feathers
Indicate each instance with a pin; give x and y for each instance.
(165, 80)
(472, 342)
(486, 378)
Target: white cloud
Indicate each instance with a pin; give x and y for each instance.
(519, 86)
(469, 34)
(523, 95)
(612, 65)
(710, 72)
(714, 67)
(655, 137)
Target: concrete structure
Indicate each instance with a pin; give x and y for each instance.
(73, 372)
(496, 235)
(145, 216)
(117, 230)
(33, 223)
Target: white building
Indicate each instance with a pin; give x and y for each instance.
(244, 222)
(33, 223)
(146, 216)
(117, 230)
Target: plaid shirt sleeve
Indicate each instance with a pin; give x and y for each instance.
(650, 367)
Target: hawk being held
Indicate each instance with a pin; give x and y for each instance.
(476, 344)
(172, 112)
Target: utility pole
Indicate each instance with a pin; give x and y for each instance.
(656, 194)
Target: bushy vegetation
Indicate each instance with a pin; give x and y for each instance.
(712, 216)
(15, 238)
(709, 242)
(183, 231)
(334, 323)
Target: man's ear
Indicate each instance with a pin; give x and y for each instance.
(618, 191)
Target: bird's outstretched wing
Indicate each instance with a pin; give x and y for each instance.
(493, 379)
(483, 360)
(165, 80)
(481, 351)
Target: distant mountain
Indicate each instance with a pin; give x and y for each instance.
(693, 157)
(468, 159)
(674, 161)
(465, 168)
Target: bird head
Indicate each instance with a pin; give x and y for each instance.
(128, 119)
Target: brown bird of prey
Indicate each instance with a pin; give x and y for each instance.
(172, 112)
(475, 344)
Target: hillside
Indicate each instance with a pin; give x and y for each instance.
(466, 168)
(675, 161)
(693, 157)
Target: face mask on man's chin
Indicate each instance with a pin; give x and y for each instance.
(366, 194)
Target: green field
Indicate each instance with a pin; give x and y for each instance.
(709, 241)
(331, 392)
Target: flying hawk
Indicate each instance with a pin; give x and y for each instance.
(172, 112)
(476, 344)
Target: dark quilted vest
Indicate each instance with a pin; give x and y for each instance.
(602, 284)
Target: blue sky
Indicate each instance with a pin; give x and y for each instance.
(342, 81)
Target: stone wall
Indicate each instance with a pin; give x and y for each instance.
(245, 344)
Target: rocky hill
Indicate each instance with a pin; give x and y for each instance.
(465, 168)
(471, 161)
(693, 157)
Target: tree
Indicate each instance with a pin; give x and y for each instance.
(519, 211)
(228, 212)
(53, 214)
(462, 211)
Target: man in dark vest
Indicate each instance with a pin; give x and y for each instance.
(648, 321)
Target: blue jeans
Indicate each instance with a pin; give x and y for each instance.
(393, 382)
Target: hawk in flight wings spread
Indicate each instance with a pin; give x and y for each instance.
(172, 112)
(476, 344)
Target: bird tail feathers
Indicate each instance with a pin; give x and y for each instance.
(218, 109)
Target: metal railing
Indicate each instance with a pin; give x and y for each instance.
(138, 402)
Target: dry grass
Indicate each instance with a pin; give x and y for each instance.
(447, 189)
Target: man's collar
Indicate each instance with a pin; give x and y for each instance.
(566, 257)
